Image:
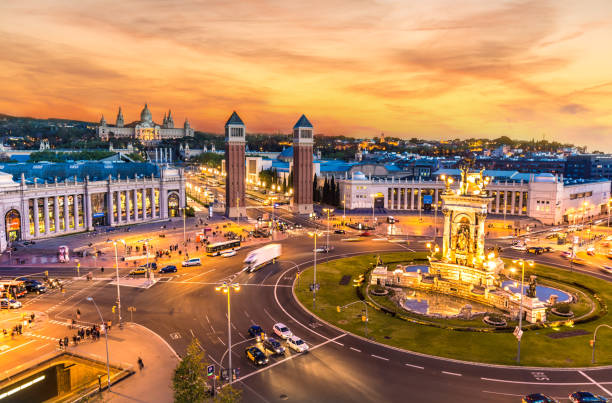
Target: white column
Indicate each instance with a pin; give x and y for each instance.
(436, 191)
(56, 213)
(411, 198)
(118, 201)
(497, 201)
(36, 222)
(128, 211)
(153, 206)
(66, 214)
(109, 206)
(144, 203)
(46, 214)
(420, 197)
(512, 195)
(135, 204)
(520, 203)
(87, 212)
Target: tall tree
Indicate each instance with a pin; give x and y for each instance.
(315, 189)
(189, 380)
(326, 191)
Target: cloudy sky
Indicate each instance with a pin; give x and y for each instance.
(432, 69)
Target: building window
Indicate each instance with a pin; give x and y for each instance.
(51, 207)
(31, 215)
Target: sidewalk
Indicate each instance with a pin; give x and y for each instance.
(153, 383)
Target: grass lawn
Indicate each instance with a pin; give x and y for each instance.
(500, 348)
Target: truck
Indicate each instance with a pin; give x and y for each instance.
(262, 256)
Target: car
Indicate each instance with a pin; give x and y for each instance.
(566, 254)
(538, 398)
(365, 233)
(168, 269)
(256, 331)
(255, 355)
(32, 285)
(298, 225)
(578, 397)
(282, 331)
(578, 260)
(272, 345)
(519, 247)
(536, 250)
(9, 303)
(229, 253)
(297, 344)
(192, 262)
(591, 251)
(138, 271)
(339, 231)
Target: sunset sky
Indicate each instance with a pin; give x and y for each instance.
(432, 69)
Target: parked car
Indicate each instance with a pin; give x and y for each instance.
(256, 331)
(297, 344)
(256, 355)
(192, 262)
(538, 398)
(579, 397)
(138, 271)
(282, 331)
(9, 303)
(168, 269)
(274, 346)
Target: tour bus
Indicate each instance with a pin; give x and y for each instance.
(13, 288)
(215, 249)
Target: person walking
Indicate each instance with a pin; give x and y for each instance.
(140, 363)
(61, 344)
(65, 342)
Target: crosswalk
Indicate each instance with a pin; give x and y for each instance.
(39, 336)
(67, 324)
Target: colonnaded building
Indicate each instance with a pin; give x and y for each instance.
(145, 130)
(51, 199)
(549, 198)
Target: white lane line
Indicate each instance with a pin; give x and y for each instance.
(379, 357)
(354, 349)
(247, 314)
(270, 316)
(198, 275)
(538, 383)
(242, 378)
(207, 318)
(595, 383)
(192, 335)
(43, 346)
(221, 340)
(501, 393)
(414, 366)
(451, 373)
(16, 347)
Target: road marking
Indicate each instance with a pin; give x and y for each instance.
(192, 335)
(208, 320)
(43, 346)
(595, 383)
(198, 275)
(538, 383)
(242, 378)
(247, 314)
(414, 366)
(379, 357)
(354, 349)
(270, 316)
(451, 373)
(501, 393)
(222, 342)
(16, 347)
(540, 376)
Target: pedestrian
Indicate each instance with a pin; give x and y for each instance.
(74, 340)
(61, 344)
(78, 314)
(102, 269)
(140, 363)
(100, 383)
(65, 341)
(87, 332)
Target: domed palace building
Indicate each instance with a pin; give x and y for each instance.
(145, 130)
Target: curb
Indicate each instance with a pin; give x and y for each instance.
(435, 357)
(158, 336)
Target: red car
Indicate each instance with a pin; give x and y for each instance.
(365, 234)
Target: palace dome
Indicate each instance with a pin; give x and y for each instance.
(145, 115)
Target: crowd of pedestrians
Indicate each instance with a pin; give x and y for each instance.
(91, 333)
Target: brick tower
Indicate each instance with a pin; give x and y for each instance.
(302, 166)
(235, 167)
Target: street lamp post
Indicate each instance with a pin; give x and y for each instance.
(106, 337)
(227, 288)
(314, 235)
(328, 211)
(521, 262)
(117, 274)
(146, 244)
(366, 313)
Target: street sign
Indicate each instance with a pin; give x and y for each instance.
(235, 373)
(225, 374)
(518, 333)
(210, 371)
(427, 199)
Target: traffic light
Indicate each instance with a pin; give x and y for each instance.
(114, 308)
(338, 308)
(364, 318)
(591, 342)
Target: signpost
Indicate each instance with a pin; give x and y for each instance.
(518, 333)
(131, 309)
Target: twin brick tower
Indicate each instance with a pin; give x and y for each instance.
(236, 169)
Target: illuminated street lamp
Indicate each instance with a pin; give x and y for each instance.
(328, 211)
(227, 288)
(314, 235)
(433, 248)
(520, 262)
(115, 242)
(90, 299)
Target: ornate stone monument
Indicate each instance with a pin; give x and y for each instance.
(463, 252)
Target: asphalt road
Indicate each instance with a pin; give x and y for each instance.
(340, 367)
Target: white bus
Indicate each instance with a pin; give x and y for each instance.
(215, 249)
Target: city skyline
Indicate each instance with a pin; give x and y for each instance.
(524, 69)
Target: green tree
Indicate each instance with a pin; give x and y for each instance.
(315, 189)
(189, 380)
(228, 394)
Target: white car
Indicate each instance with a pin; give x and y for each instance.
(297, 344)
(10, 303)
(192, 262)
(282, 331)
(519, 247)
(229, 253)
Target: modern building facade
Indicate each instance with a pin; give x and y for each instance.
(589, 166)
(545, 197)
(302, 166)
(235, 167)
(145, 130)
(47, 200)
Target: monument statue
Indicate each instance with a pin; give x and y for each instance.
(531, 291)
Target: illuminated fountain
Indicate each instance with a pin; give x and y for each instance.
(463, 270)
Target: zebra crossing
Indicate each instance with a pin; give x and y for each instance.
(41, 336)
(68, 324)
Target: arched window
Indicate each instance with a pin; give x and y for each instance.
(173, 205)
(12, 222)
